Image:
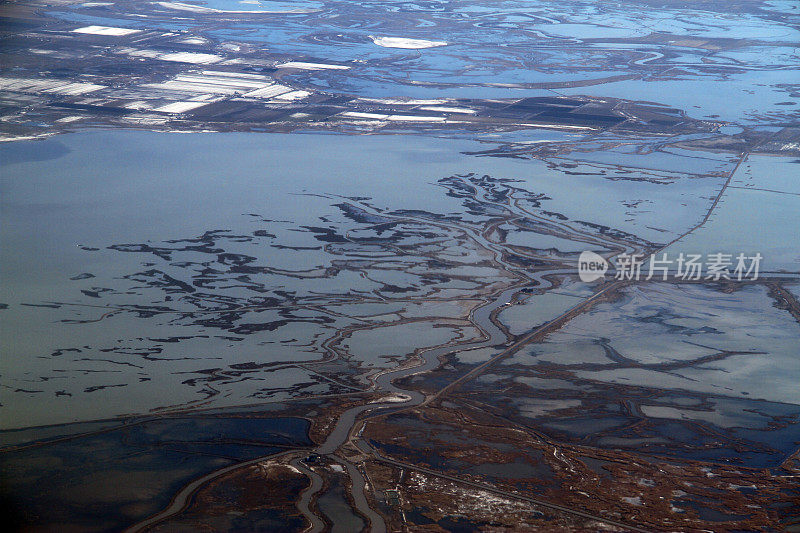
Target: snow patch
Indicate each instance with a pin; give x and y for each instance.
(403, 42)
(105, 30)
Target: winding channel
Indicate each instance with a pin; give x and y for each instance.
(481, 317)
(347, 424)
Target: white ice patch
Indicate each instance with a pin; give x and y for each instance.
(311, 66)
(193, 40)
(414, 118)
(191, 57)
(394, 398)
(293, 96)
(269, 91)
(48, 85)
(366, 116)
(402, 42)
(402, 101)
(180, 107)
(106, 30)
(632, 500)
(180, 6)
(462, 110)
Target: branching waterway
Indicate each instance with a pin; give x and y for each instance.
(284, 306)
